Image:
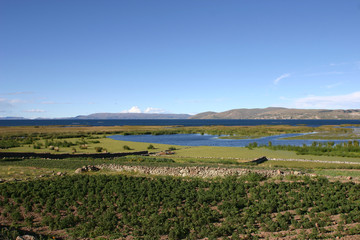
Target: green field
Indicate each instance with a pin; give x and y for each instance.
(119, 206)
(95, 137)
(240, 153)
(179, 207)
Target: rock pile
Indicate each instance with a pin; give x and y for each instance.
(89, 168)
(25, 237)
(203, 172)
(60, 174)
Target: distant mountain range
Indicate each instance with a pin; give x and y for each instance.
(243, 113)
(113, 116)
(280, 113)
(134, 116)
(12, 118)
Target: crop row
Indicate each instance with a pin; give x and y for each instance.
(119, 206)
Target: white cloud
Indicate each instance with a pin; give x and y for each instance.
(35, 111)
(153, 110)
(347, 101)
(134, 109)
(285, 75)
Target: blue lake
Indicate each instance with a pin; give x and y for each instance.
(211, 140)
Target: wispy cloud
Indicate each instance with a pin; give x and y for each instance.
(154, 110)
(4, 103)
(358, 64)
(334, 85)
(12, 101)
(285, 75)
(35, 111)
(48, 102)
(347, 101)
(53, 103)
(339, 64)
(18, 93)
(323, 74)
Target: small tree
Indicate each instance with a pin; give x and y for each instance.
(150, 147)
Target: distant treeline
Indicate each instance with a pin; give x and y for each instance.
(345, 149)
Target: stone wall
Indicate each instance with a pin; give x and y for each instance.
(203, 172)
(67, 155)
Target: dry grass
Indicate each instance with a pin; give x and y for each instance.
(74, 129)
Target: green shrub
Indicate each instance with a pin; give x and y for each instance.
(126, 147)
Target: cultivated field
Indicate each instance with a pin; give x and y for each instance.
(306, 196)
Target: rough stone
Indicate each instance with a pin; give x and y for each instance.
(25, 237)
(88, 168)
(203, 172)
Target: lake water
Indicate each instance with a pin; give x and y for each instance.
(190, 139)
(182, 122)
(211, 140)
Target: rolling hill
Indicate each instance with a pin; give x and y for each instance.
(280, 113)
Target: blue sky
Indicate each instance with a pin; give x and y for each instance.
(64, 58)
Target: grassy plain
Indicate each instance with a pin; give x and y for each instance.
(232, 131)
(109, 144)
(96, 137)
(200, 152)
